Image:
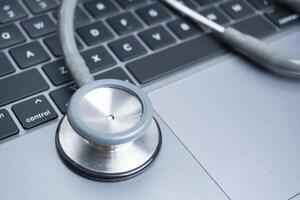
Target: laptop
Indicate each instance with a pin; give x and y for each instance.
(230, 129)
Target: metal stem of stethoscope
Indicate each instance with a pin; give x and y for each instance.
(247, 45)
(109, 132)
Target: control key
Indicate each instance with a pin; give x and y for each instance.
(34, 112)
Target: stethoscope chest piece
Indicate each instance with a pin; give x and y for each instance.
(109, 132)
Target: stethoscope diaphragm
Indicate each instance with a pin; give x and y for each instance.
(109, 133)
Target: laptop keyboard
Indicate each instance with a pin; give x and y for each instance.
(138, 41)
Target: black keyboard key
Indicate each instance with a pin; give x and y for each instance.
(127, 48)
(62, 96)
(184, 29)
(5, 65)
(100, 8)
(153, 13)
(207, 2)
(80, 17)
(39, 6)
(262, 4)
(57, 72)
(53, 44)
(157, 37)
(256, 26)
(130, 3)
(34, 112)
(172, 59)
(237, 9)
(215, 15)
(29, 54)
(7, 125)
(10, 35)
(95, 33)
(283, 17)
(21, 85)
(39, 26)
(124, 23)
(10, 11)
(98, 59)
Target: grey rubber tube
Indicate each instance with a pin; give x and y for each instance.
(75, 63)
(261, 53)
(293, 4)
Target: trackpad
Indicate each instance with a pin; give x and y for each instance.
(241, 124)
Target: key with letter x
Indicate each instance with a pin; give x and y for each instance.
(98, 59)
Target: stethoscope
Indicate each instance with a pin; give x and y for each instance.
(109, 132)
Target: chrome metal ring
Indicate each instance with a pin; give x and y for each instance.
(107, 163)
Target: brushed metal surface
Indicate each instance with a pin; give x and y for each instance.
(110, 110)
(241, 123)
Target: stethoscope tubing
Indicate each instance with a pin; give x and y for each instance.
(249, 46)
